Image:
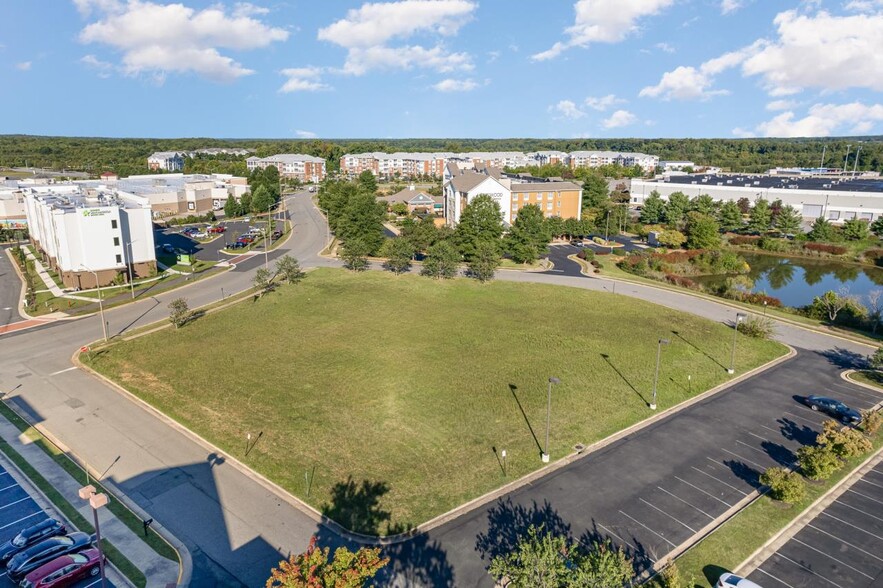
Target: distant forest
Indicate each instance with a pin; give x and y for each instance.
(129, 156)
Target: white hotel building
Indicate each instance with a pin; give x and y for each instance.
(305, 168)
(90, 236)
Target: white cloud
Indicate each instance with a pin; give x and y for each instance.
(602, 103)
(102, 67)
(781, 105)
(246, 9)
(603, 21)
(728, 6)
(620, 118)
(743, 133)
(864, 5)
(367, 31)
(821, 51)
(823, 120)
(158, 38)
(23, 66)
(303, 79)
(665, 47)
(492, 56)
(452, 85)
(305, 134)
(567, 109)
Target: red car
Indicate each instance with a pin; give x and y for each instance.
(217, 230)
(245, 239)
(66, 570)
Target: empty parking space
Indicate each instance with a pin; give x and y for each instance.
(842, 546)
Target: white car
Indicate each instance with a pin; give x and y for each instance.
(200, 235)
(728, 580)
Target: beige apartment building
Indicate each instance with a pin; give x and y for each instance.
(562, 199)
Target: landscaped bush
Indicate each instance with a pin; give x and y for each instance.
(681, 281)
(760, 298)
(774, 245)
(818, 462)
(845, 442)
(587, 254)
(758, 327)
(872, 420)
(596, 264)
(744, 239)
(825, 248)
(874, 255)
(784, 485)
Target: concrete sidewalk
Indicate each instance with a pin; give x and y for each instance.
(48, 281)
(160, 572)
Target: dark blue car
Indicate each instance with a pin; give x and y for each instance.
(834, 408)
(45, 551)
(30, 535)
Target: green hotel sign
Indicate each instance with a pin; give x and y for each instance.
(87, 212)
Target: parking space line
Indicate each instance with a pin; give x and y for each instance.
(853, 526)
(855, 391)
(871, 483)
(755, 449)
(8, 487)
(685, 502)
(5, 473)
(857, 510)
(668, 515)
(719, 480)
(703, 491)
(808, 570)
(22, 519)
(864, 495)
(779, 432)
(783, 582)
(797, 416)
(16, 502)
(621, 539)
(93, 583)
(828, 555)
(754, 463)
(758, 436)
(649, 529)
(844, 542)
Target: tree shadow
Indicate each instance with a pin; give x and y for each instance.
(781, 454)
(356, 506)
(713, 573)
(641, 558)
(417, 562)
(624, 379)
(844, 358)
(744, 472)
(794, 432)
(508, 523)
(702, 351)
(513, 388)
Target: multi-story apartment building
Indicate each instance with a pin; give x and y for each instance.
(91, 236)
(549, 157)
(462, 189)
(166, 160)
(646, 162)
(305, 168)
(562, 199)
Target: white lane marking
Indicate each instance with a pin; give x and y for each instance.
(871, 483)
(4, 472)
(754, 463)
(851, 525)
(16, 502)
(758, 436)
(844, 542)
(857, 510)
(22, 519)
(797, 416)
(621, 539)
(864, 495)
(93, 583)
(719, 480)
(8, 487)
(666, 514)
(779, 432)
(685, 502)
(775, 578)
(828, 555)
(62, 371)
(703, 491)
(808, 570)
(648, 528)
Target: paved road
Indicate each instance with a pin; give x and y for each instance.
(842, 546)
(10, 290)
(237, 529)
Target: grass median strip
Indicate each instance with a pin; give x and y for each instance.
(127, 517)
(387, 400)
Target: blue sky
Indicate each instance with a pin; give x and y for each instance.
(442, 68)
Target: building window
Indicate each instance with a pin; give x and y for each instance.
(848, 215)
(116, 241)
(113, 223)
(548, 206)
(868, 216)
(119, 258)
(833, 215)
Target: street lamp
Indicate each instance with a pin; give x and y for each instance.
(552, 380)
(100, 303)
(656, 375)
(96, 501)
(846, 159)
(129, 265)
(739, 318)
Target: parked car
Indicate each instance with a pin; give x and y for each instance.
(237, 245)
(217, 230)
(168, 248)
(834, 408)
(45, 551)
(30, 535)
(728, 580)
(201, 235)
(66, 570)
(576, 242)
(245, 239)
(276, 235)
(189, 230)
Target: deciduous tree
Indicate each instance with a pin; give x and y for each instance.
(314, 568)
(262, 280)
(529, 237)
(288, 268)
(485, 261)
(442, 261)
(179, 312)
(398, 253)
(703, 231)
(480, 222)
(355, 254)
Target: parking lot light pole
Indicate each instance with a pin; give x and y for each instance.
(552, 380)
(656, 375)
(100, 303)
(96, 501)
(739, 318)
(130, 264)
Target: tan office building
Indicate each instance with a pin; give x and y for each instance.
(562, 199)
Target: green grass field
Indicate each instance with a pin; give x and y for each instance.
(410, 383)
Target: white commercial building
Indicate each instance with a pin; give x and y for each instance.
(174, 194)
(305, 168)
(835, 199)
(91, 236)
(646, 162)
(676, 165)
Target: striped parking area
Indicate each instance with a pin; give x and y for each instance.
(841, 547)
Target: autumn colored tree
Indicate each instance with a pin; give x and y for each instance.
(314, 569)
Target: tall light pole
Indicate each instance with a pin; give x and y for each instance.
(855, 163)
(100, 303)
(656, 375)
(96, 501)
(552, 380)
(129, 264)
(739, 318)
(846, 159)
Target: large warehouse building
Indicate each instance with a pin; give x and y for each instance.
(835, 198)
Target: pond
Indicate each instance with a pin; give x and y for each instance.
(795, 281)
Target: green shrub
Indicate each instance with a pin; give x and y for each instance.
(845, 442)
(774, 245)
(759, 327)
(818, 462)
(871, 421)
(784, 485)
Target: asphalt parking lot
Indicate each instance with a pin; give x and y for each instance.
(842, 546)
(207, 251)
(17, 511)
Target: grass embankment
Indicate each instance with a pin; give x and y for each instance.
(752, 527)
(869, 377)
(122, 513)
(410, 383)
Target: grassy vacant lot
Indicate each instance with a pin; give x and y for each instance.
(389, 394)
